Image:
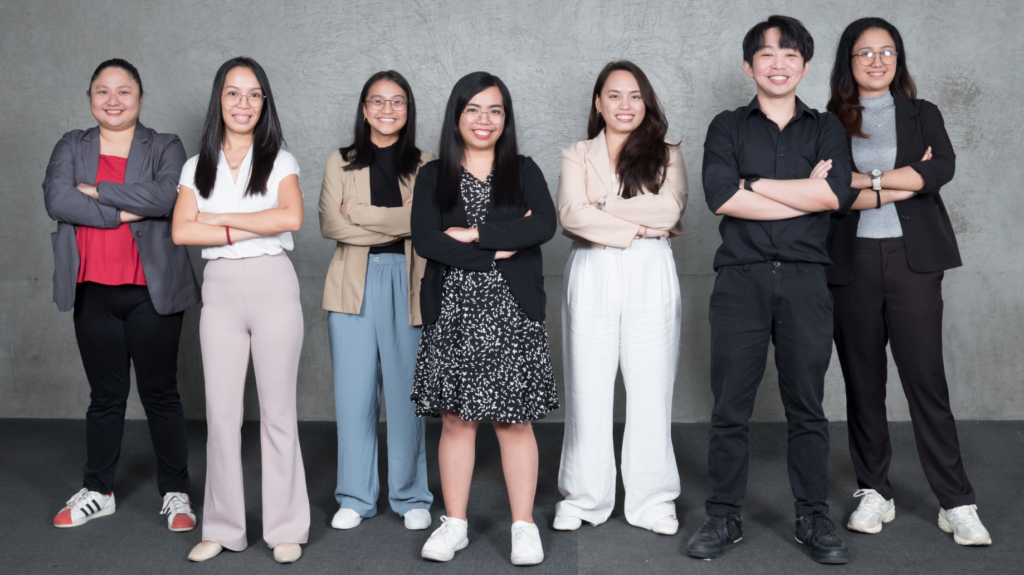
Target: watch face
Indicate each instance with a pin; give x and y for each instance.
(876, 173)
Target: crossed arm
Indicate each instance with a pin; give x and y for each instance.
(192, 227)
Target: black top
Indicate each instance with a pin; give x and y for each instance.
(928, 237)
(384, 192)
(506, 229)
(744, 143)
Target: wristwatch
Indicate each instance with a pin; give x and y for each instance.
(601, 202)
(748, 184)
(876, 179)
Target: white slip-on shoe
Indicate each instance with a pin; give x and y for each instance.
(526, 546)
(566, 523)
(965, 525)
(346, 519)
(83, 507)
(450, 537)
(287, 553)
(203, 552)
(872, 511)
(667, 525)
(178, 510)
(417, 519)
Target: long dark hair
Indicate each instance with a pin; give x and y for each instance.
(844, 102)
(451, 148)
(116, 63)
(644, 155)
(267, 139)
(361, 154)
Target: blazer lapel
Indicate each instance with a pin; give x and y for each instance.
(363, 185)
(137, 154)
(597, 156)
(91, 155)
(905, 126)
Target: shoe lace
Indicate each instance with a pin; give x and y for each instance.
(823, 526)
(965, 514)
(447, 531)
(872, 499)
(175, 503)
(77, 498)
(713, 525)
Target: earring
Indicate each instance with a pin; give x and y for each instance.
(365, 120)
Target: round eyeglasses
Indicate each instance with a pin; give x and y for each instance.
(867, 57)
(378, 104)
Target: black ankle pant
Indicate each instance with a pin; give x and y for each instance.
(117, 326)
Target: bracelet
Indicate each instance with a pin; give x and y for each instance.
(477, 238)
(878, 194)
(227, 232)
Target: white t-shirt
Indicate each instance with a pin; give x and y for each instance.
(229, 197)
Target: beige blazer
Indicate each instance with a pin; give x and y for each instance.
(362, 226)
(587, 176)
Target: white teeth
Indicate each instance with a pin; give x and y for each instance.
(482, 132)
(624, 118)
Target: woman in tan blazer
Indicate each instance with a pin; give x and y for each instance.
(372, 296)
(620, 198)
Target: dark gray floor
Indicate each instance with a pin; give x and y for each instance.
(40, 467)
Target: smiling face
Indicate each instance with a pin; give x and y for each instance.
(483, 120)
(873, 79)
(620, 103)
(777, 71)
(115, 99)
(239, 109)
(387, 122)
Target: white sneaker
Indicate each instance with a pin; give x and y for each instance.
(346, 519)
(667, 525)
(417, 519)
(567, 523)
(450, 537)
(965, 525)
(84, 507)
(178, 510)
(526, 546)
(872, 511)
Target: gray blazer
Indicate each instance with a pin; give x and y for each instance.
(150, 189)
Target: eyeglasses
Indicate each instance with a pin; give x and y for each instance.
(867, 57)
(476, 114)
(378, 104)
(232, 97)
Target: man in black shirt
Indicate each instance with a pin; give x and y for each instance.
(773, 169)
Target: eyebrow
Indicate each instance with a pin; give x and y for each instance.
(124, 86)
(630, 92)
(879, 48)
(480, 106)
(386, 96)
(237, 88)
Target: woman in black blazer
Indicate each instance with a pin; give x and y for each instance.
(480, 215)
(889, 250)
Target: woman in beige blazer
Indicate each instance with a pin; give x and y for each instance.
(620, 198)
(372, 296)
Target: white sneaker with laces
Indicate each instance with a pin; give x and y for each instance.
(83, 507)
(346, 519)
(178, 510)
(872, 511)
(965, 525)
(526, 546)
(667, 525)
(450, 537)
(417, 519)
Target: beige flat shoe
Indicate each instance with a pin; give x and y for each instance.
(289, 554)
(203, 552)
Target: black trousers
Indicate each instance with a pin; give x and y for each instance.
(790, 305)
(887, 302)
(117, 326)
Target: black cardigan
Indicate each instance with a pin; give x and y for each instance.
(506, 229)
(927, 232)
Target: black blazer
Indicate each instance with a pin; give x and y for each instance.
(927, 232)
(506, 229)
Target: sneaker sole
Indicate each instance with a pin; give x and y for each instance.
(101, 513)
(710, 553)
(827, 558)
(442, 557)
(945, 526)
(528, 560)
(888, 518)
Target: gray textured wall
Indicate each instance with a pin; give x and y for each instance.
(964, 55)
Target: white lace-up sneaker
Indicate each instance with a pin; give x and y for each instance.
(965, 525)
(450, 537)
(872, 512)
(84, 507)
(526, 546)
(178, 510)
(346, 519)
(417, 519)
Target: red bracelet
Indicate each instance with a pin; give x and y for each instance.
(227, 231)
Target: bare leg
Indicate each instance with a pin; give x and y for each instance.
(456, 456)
(519, 462)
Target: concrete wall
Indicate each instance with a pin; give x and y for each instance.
(963, 54)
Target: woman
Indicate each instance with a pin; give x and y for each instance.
(365, 206)
(240, 199)
(480, 216)
(889, 250)
(620, 197)
(111, 190)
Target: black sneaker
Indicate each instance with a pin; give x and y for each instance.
(819, 535)
(714, 536)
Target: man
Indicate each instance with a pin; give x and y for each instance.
(774, 169)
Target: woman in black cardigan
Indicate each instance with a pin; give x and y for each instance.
(480, 215)
(889, 250)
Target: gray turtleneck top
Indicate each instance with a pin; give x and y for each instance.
(877, 151)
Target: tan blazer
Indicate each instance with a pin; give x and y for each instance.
(362, 226)
(587, 176)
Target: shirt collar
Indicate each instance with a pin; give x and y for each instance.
(755, 105)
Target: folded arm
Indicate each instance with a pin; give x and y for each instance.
(188, 231)
(65, 202)
(660, 211)
(334, 225)
(579, 216)
(286, 217)
(389, 221)
(150, 199)
(525, 232)
(428, 237)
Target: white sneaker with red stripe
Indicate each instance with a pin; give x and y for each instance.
(84, 507)
(178, 510)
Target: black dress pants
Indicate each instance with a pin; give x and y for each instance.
(117, 326)
(790, 305)
(887, 302)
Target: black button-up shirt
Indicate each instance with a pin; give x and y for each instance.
(744, 143)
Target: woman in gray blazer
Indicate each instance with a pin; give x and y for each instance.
(111, 190)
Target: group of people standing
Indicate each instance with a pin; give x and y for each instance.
(832, 229)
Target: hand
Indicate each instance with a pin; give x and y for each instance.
(92, 193)
(503, 255)
(528, 213)
(821, 170)
(342, 208)
(128, 217)
(927, 154)
(406, 203)
(860, 181)
(464, 235)
(742, 182)
(653, 233)
(208, 218)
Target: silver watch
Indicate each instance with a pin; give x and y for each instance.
(876, 179)
(601, 202)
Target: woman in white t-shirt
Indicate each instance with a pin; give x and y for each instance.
(240, 199)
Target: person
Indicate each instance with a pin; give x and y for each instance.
(240, 199)
(773, 169)
(620, 197)
(479, 216)
(890, 249)
(365, 204)
(111, 190)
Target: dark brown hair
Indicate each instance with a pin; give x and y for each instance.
(116, 63)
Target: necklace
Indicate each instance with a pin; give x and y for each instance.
(878, 122)
(233, 168)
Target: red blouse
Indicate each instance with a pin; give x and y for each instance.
(109, 257)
